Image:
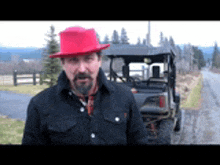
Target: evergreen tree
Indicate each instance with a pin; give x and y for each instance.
(166, 42)
(98, 37)
(179, 53)
(115, 37)
(139, 41)
(124, 38)
(52, 66)
(106, 40)
(215, 54)
(198, 57)
(144, 41)
(218, 61)
(208, 61)
(161, 42)
(171, 41)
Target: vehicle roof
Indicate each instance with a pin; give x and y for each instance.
(142, 50)
(136, 53)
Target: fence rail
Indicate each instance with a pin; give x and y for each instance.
(19, 78)
(34, 77)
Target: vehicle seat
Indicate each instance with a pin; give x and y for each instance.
(156, 75)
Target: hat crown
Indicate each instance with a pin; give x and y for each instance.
(74, 29)
(77, 39)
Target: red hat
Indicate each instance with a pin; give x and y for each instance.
(78, 41)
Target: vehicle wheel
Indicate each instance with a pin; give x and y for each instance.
(165, 130)
(178, 122)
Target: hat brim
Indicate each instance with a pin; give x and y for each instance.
(72, 54)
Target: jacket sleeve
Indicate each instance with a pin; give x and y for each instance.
(137, 132)
(33, 134)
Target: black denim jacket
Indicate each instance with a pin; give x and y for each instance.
(57, 117)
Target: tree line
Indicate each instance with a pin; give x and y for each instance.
(188, 59)
(7, 68)
(215, 61)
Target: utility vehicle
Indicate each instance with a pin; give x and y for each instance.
(154, 92)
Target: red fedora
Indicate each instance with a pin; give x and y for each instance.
(78, 41)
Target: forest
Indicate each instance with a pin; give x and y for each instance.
(187, 59)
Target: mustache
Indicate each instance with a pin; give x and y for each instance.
(82, 76)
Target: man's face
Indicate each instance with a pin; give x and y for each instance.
(82, 71)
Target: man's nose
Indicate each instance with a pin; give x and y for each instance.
(82, 67)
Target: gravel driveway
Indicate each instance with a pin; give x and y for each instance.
(203, 126)
(14, 105)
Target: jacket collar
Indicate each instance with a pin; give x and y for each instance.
(63, 82)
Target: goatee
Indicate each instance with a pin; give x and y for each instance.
(82, 87)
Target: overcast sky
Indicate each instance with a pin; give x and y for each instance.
(32, 33)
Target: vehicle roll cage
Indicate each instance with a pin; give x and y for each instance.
(133, 53)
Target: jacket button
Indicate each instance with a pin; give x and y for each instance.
(92, 135)
(82, 109)
(117, 119)
(70, 93)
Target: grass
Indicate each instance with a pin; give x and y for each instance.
(11, 131)
(194, 99)
(24, 89)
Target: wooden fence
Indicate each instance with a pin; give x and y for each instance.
(26, 77)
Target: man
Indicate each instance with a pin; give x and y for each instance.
(84, 108)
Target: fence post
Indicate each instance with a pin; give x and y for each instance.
(41, 78)
(15, 77)
(34, 78)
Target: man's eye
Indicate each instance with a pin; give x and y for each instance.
(89, 59)
(73, 59)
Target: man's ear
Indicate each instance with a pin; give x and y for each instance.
(62, 61)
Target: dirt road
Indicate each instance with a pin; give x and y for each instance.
(203, 126)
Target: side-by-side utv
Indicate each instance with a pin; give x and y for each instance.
(155, 95)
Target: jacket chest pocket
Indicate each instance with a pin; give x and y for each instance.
(115, 118)
(61, 131)
(114, 128)
(115, 121)
(62, 125)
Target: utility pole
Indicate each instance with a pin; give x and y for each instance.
(148, 35)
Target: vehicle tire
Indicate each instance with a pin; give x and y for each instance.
(178, 122)
(165, 130)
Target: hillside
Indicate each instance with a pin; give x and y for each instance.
(207, 52)
(23, 53)
(35, 53)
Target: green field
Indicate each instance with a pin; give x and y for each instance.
(11, 131)
(25, 89)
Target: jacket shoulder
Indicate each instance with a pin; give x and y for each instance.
(45, 95)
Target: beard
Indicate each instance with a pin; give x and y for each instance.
(83, 87)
